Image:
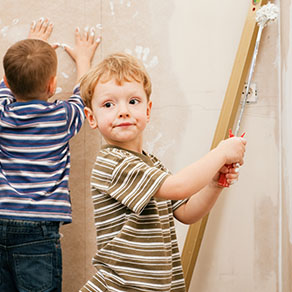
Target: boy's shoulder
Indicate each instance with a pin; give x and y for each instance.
(117, 154)
(112, 156)
(6, 96)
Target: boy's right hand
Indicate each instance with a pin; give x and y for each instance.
(232, 149)
(86, 44)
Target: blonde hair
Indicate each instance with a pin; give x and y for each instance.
(28, 65)
(120, 66)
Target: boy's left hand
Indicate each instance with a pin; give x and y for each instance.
(41, 30)
(231, 173)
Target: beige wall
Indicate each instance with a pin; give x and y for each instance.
(188, 47)
(286, 143)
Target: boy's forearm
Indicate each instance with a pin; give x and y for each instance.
(82, 67)
(193, 178)
(198, 205)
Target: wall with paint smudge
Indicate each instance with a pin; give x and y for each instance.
(286, 143)
(188, 48)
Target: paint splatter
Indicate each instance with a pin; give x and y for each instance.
(139, 51)
(4, 31)
(65, 75)
(15, 21)
(146, 52)
(154, 145)
(112, 7)
(153, 62)
(58, 90)
(128, 51)
(143, 54)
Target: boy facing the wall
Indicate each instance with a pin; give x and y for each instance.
(135, 197)
(35, 159)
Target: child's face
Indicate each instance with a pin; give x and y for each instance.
(120, 112)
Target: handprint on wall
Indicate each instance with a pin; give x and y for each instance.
(142, 53)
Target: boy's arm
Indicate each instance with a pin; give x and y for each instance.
(196, 176)
(5, 92)
(82, 53)
(201, 203)
(84, 50)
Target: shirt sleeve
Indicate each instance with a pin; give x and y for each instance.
(75, 112)
(5, 93)
(132, 182)
(177, 204)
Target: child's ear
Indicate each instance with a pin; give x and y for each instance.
(90, 117)
(52, 85)
(149, 106)
(5, 81)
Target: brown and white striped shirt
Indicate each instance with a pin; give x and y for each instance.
(137, 247)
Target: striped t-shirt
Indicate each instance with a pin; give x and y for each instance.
(34, 156)
(137, 247)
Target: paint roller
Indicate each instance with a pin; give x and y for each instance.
(267, 13)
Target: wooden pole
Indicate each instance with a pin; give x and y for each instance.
(226, 120)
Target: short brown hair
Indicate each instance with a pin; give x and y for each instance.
(120, 66)
(28, 65)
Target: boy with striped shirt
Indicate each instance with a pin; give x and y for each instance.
(135, 197)
(35, 159)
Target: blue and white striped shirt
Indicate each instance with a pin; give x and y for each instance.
(35, 157)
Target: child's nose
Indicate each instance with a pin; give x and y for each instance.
(124, 115)
(123, 111)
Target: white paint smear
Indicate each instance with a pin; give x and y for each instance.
(128, 51)
(143, 54)
(112, 7)
(15, 21)
(65, 75)
(146, 52)
(4, 31)
(153, 62)
(58, 90)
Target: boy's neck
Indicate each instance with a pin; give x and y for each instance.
(30, 99)
(41, 97)
(127, 146)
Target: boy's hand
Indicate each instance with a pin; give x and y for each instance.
(232, 174)
(41, 29)
(84, 50)
(232, 149)
(85, 46)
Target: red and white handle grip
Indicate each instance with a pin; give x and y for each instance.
(222, 181)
